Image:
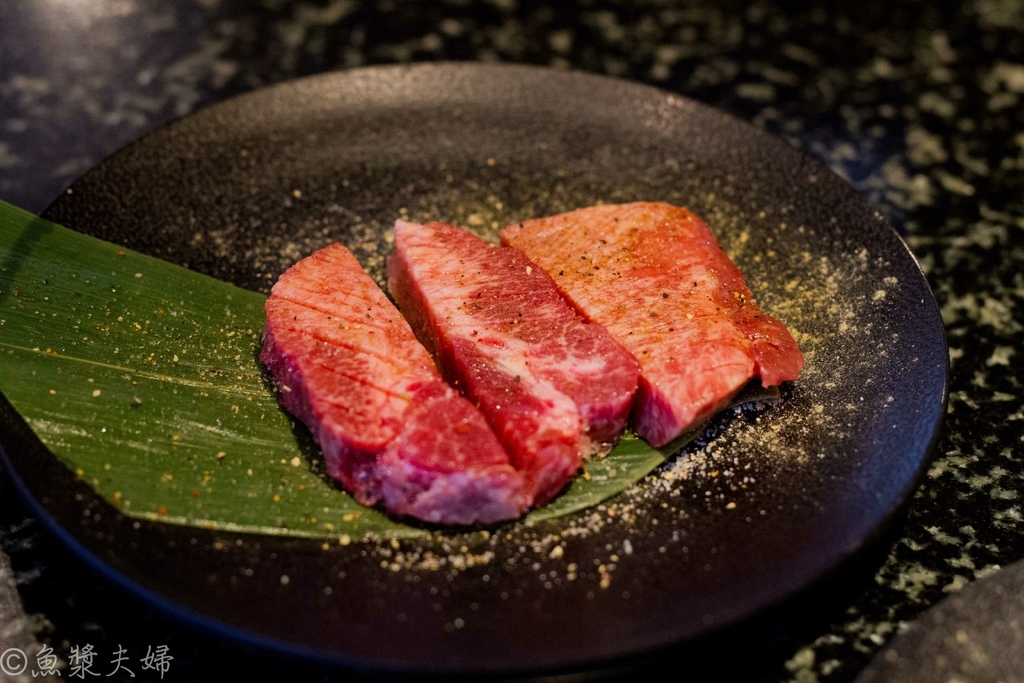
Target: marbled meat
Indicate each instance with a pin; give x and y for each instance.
(348, 365)
(552, 386)
(656, 278)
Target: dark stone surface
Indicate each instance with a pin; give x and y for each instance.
(976, 635)
(918, 104)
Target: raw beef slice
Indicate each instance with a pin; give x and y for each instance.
(655, 277)
(551, 386)
(348, 365)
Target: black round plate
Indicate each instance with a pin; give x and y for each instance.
(769, 504)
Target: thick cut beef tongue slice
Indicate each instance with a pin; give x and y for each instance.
(552, 386)
(655, 277)
(348, 365)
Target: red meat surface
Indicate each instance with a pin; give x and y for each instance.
(552, 386)
(653, 275)
(348, 365)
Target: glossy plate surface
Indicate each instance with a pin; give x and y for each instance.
(767, 505)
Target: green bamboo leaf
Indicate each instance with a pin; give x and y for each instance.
(142, 377)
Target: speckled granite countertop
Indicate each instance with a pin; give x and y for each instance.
(920, 105)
